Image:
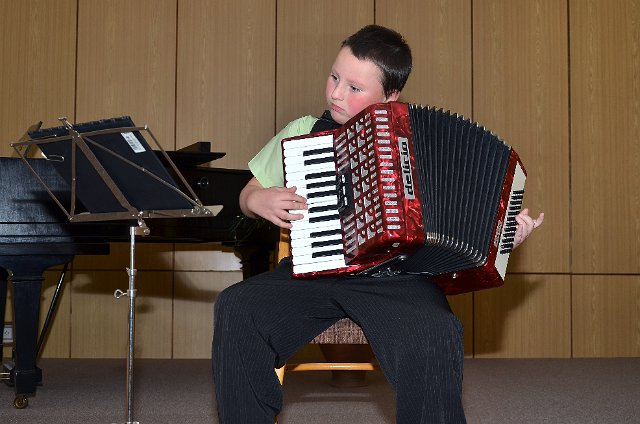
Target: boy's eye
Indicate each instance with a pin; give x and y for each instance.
(355, 89)
(333, 77)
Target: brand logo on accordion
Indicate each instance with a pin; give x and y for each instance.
(405, 166)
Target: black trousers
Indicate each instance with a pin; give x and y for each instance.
(261, 322)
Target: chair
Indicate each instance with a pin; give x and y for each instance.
(344, 345)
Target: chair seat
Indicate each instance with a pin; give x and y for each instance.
(345, 331)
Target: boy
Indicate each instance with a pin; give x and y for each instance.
(262, 321)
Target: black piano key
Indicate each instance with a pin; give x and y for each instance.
(327, 253)
(326, 233)
(318, 160)
(325, 193)
(318, 151)
(324, 218)
(316, 175)
(335, 242)
(329, 183)
(324, 208)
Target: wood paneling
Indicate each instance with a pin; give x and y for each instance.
(127, 62)
(193, 310)
(99, 321)
(526, 318)
(206, 257)
(37, 65)
(149, 256)
(520, 91)
(226, 73)
(605, 123)
(309, 36)
(439, 33)
(606, 315)
(462, 306)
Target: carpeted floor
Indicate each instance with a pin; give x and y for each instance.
(496, 391)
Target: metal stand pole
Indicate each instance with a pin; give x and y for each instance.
(131, 293)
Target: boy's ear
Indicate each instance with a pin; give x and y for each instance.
(393, 96)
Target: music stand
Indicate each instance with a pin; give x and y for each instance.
(113, 174)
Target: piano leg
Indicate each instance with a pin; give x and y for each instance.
(254, 259)
(27, 276)
(4, 275)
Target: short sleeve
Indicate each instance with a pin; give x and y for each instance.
(266, 166)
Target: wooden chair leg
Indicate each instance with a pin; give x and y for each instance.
(280, 373)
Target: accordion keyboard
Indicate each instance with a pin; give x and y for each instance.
(316, 240)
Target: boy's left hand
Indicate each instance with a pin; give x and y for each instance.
(526, 225)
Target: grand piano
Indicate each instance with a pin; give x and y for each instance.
(35, 235)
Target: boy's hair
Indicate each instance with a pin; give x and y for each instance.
(388, 50)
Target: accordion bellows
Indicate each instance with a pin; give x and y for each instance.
(403, 188)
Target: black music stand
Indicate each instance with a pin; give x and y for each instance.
(113, 174)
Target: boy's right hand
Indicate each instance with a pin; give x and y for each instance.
(272, 204)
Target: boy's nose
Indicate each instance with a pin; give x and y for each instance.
(336, 94)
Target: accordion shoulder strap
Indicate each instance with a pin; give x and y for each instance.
(324, 123)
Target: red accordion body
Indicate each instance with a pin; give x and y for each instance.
(380, 198)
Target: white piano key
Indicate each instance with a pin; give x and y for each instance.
(320, 150)
(306, 233)
(307, 141)
(293, 169)
(299, 242)
(304, 251)
(318, 226)
(319, 266)
(310, 259)
(310, 215)
(304, 182)
(301, 159)
(317, 200)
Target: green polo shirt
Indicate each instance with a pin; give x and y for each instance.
(266, 166)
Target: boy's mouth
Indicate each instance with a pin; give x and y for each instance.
(337, 108)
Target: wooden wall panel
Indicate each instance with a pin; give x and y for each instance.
(99, 321)
(37, 65)
(606, 313)
(149, 256)
(226, 73)
(439, 33)
(127, 62)
(462, 307)
(193, 311)
(309, 35)
(527, 318)
(605, 122)
(521, 93)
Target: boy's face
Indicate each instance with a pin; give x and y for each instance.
(353, 85)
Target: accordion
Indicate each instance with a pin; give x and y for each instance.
(402, 188)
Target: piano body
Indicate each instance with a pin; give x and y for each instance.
(36, 235)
